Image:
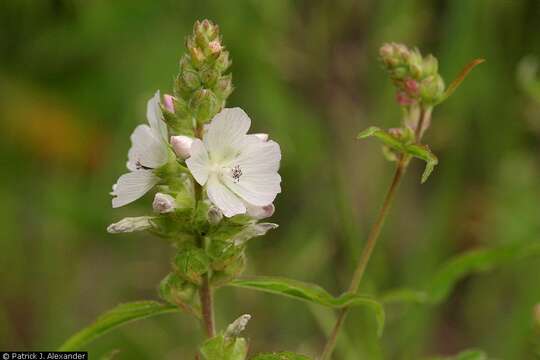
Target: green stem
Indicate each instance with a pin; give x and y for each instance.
(207, 306)
(366, 253)
(401, 167)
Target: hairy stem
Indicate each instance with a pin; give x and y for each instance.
(366, 253)
(207, 307)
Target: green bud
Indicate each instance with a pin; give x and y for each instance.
(209, 76)
(432, 89)
(224, 87)
(190, 79)
(223, 62)
(430, 66)
(204, 105)
(191, 263)
(223, 253)
(175, 290)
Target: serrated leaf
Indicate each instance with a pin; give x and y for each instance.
(423, 152)
(311, 293)
(459, 79)
(285, 355)
(443, 281)
(120, 315)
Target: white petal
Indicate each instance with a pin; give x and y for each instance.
(181, 145)
(146, 149)
(226, 133)
(163, 203)
(262, 136)
(198, 163)
(223, 198)
(260, 212)
(132, 186)
(259, 183)
(155, 117)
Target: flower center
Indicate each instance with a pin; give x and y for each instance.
(236, 172)
(140, 166)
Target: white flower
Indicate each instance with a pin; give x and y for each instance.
(260, 212)
(238, 170)
(149, 150)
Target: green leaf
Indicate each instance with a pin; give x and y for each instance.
(423, 152)
(404, 145)
(311, 293)
(191, 263)
(384, 136)
(120, 315)
(465, 355)
(286, 355)
(444, 280)
(222, 348)
(459, 79)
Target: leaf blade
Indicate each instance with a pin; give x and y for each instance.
(311, 293)
(120, 315)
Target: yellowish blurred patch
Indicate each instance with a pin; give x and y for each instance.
(49, 128)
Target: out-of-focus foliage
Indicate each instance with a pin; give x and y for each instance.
(74, 80)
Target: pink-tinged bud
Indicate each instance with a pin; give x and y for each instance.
(168, 103)
(261, 212)
(163, 203)
(411, 86)
(215, 47)
(403, 99)
(182, 145)
(262, 136)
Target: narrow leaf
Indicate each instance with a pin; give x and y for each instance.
(311, 293)
(280, 356)
(120, 315)
(461, 76)
(449, 274)
(424, 153)
(384, 136)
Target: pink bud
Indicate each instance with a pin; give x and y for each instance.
(182, 145)
(214, 46)
(403, 99)
(263, 137)
(168, 103)
(411, 86)
(261, 212)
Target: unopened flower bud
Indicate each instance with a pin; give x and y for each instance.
(209, 76)
(403, 99)
(432, 88)
(130, 224)
(181, 145)
(237, 326)
(261, 212)
(223, 62)
(205, 105)
(263, 137)
(224, 87)
(411, 87)
(214, 47)
(214, 215)
(168, 103)
(430, 65)
(191, 79)
(163, 203)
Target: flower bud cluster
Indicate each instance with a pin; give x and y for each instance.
(201, 87)
(416, 77)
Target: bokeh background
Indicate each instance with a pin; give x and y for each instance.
(74, 79)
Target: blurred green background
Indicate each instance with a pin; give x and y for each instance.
(74, 79)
